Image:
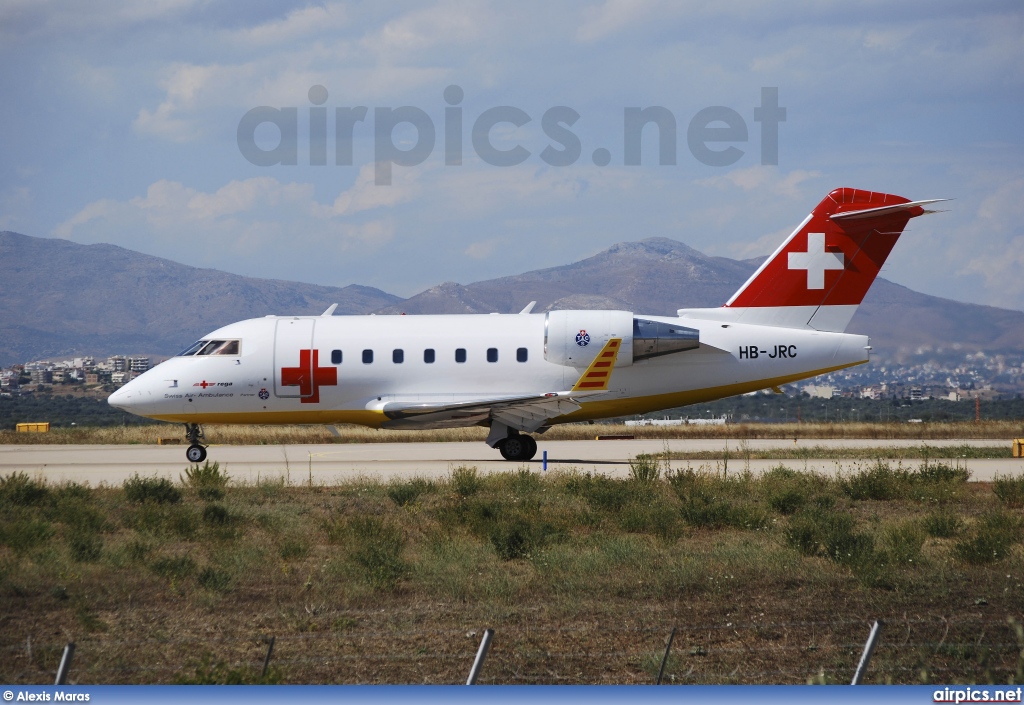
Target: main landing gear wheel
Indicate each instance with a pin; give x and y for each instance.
(196, 452)
(518, 447)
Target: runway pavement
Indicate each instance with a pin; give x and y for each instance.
(333, 463)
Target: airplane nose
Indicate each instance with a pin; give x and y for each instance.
(124, 398)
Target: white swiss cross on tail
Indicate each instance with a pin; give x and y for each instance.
(816, 261)
(860, 228)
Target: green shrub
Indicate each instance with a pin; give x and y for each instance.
(137, 550)
(903, 543)
(787, 501)
(85, 547)
(377, 548)
(942, 472)
(78, 514)
(406, 492)
(513, 538)
(208, 480)
(157, 490)
(1009, 490)
(657, 518)
(214, 580)
(604, 493)
(829, 534)
(208, 672)
(645, 468)
(73, 490)
(991, 539)
(942, 524)
(24, 535)
(524, 481)
(465, 481)
(293, 547)
(174, 567)
(20, 490)
(879, 482)
(216, 514)
(163, 520)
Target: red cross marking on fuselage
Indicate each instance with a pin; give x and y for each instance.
(308, 376)
(204, 384)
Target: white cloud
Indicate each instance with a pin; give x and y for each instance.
(482, 249)
(995, 242)
(766, 179)
(365, 195)
(276, 228)
(299, 24)
(613, 16)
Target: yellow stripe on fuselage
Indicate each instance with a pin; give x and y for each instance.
(603, 409)
(595, 379)
(590, 410)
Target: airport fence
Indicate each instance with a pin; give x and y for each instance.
(975, 649)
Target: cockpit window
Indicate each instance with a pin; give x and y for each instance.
(193, 348)
(214, 347)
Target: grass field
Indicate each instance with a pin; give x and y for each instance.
(260, 435)
(769, 579)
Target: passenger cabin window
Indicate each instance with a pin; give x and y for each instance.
(367, 357)
(213, 347)
(460, 354)
(397, 356)
(521, 355)
(428, 355)
(335, 357)
(492, 354)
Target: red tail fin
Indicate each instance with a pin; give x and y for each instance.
(830, 260)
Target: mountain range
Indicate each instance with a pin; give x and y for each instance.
(59, 299)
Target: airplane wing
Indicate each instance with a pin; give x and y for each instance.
(523, 412)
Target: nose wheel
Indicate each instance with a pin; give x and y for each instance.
(196, 452)
(518, 447)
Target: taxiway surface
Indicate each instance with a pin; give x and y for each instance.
(329, 464)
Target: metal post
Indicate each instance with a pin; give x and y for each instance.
(65, 664)
(664, 659)
(266, 661)
(481, 654)
(545, 461)
(865, 657)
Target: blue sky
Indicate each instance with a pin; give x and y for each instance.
(121, 125)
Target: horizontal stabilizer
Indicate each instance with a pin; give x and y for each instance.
(884, 210)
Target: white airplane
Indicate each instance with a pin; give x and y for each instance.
(522, 373)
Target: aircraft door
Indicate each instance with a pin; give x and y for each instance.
(293, 365)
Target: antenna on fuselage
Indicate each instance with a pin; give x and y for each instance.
(330, 311)
(529, 307)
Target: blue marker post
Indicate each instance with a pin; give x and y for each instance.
(545, 461)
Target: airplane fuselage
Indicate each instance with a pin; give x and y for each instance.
(356, 365)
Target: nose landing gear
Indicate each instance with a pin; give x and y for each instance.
(196, 452)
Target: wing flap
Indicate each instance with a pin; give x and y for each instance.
(523, 412)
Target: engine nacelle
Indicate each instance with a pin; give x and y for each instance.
(657, 338)
(574, 338)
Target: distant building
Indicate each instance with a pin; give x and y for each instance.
(117, 363)
(138, 364)
(41, 377)
(119, 378)
(92, 378)
(822, 391)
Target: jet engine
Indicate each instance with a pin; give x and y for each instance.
(574, 338)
